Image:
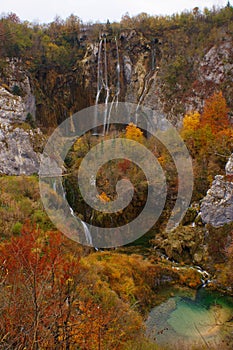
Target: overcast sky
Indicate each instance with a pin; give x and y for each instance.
(98, 10)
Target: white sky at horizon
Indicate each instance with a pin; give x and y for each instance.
(44, 11)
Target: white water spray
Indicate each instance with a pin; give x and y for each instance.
(115, 99)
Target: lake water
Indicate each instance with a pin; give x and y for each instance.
(201, 319)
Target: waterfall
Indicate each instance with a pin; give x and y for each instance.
(118, 89)
(72, 127)
(99, 73)
(106, 87)
(148, 78)
(99, 82)
(54, 185)
(153, 58)
(103, 83)
(205, 276)
(118, 71)
(87, 233)
(71, 211)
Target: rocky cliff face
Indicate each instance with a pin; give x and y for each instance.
(153, 69)
(213, 71)
(16, 151)
(12, 108)
(18, 142)
(217, 206)
(161, 76)
(229, 166)
(135, 56)
(16, 80)
(204, 235)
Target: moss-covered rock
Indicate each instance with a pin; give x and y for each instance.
(184, 244)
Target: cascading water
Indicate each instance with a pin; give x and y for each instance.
(153, 58)
(118, 88)
(154, 44)
(106, 87)
(99, 81)
(87, 233)
(103, 83)
(147, 80)
(205, 276)
(72, 127)
(54, 185)
(118, 71)
(99, 73)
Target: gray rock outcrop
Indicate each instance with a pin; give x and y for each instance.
(15, 78)
(12, 108)
(229, 166)
(17, 156)
(19, 144)
(217, 205)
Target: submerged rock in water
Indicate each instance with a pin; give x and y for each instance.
(183, 322)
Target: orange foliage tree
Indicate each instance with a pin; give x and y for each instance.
(209, 137)
(215, 113)
(47, 301)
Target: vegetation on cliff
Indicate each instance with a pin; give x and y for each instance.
(61, 59)
(55, 293)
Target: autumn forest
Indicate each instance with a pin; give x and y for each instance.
(56, 293)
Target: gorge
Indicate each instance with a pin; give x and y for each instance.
(169, 288)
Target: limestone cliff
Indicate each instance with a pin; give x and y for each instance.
(170, 71)
(12, 108)
(217, 206)
(16, 151)
(145, 76)
(19, 143)
(204, 235)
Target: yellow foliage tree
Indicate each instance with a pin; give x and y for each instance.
(134, 133)
(191, 130)
(191, 121)
(104, 198)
